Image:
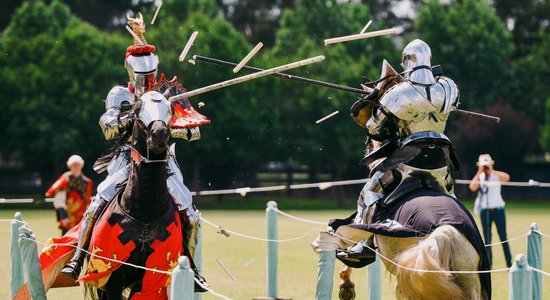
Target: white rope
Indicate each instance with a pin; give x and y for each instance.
(539, 271)
(530, 183)
(328, 184)
(542, 233)
(508, 240)
(298, 218)
(210, 290)
(325, 223)
(259, 238)
(422, 270)
(320, 185)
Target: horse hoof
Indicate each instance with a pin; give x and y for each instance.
(347, 291)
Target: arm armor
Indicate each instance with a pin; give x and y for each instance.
(112, 122)
(417, 108)
(188, 133)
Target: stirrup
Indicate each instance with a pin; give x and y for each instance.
(202, 287)
(347, 291)
(360, 250)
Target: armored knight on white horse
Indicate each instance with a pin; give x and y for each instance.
(408, 205)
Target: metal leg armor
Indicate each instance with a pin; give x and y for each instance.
(73, 267)
(190, 231)
(188, 215)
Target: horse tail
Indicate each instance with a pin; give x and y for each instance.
(433, 253)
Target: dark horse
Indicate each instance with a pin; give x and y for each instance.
(141, 225)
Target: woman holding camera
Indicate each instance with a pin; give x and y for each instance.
(489, 203)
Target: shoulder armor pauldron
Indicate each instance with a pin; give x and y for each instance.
(117, 95)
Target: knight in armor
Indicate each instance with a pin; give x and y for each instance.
(404, 117)
(116, 123)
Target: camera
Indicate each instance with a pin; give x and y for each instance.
(486, 168)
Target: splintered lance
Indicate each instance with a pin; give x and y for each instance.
(244, 78)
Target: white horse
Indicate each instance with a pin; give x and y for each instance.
(424, 265)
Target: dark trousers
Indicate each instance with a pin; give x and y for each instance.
(497, 215)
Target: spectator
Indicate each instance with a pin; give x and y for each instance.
(489, 203)
(71, 192)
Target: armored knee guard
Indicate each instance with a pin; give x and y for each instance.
(191, 230)
(73, 267)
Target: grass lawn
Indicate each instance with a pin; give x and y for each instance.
(297, 262)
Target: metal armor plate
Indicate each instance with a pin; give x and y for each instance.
(184, 115)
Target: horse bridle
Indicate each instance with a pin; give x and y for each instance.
(137, 157)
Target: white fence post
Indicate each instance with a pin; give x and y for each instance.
(31, 262)
(183, 281)
(272, 259)
(325, 275)
(534, 258)
(375, 274)
(17, 277)
(520, 279)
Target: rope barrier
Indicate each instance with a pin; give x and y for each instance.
(508, 240)
(352, 241)
(539, 271)
(299, 219)
(259, 238)
(210, 290)
(420, 270)
(328, 184)
(530, 183)
(320, 185)
(542, 233)
(214, 293)
(325, 223)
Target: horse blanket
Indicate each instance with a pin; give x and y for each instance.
(421, 212)
(115, 238)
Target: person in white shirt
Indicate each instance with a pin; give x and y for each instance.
(489, 203)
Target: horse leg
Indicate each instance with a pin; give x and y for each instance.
(347, 287)
(113, 290)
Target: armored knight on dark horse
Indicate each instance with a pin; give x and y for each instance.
(409, 192)
(116, 123)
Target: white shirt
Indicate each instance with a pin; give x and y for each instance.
(488, 195)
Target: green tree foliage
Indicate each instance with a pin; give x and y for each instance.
(258, 20)
(239, 134)
(532, 73)
(507, 141)
(335, 145)
(473, 46)
(57, 69)
(530, 19)
(56, 72)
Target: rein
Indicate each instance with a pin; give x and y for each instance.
(138, 158)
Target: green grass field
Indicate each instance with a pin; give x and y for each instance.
(297, 262)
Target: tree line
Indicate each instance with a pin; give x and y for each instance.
(59, 60)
